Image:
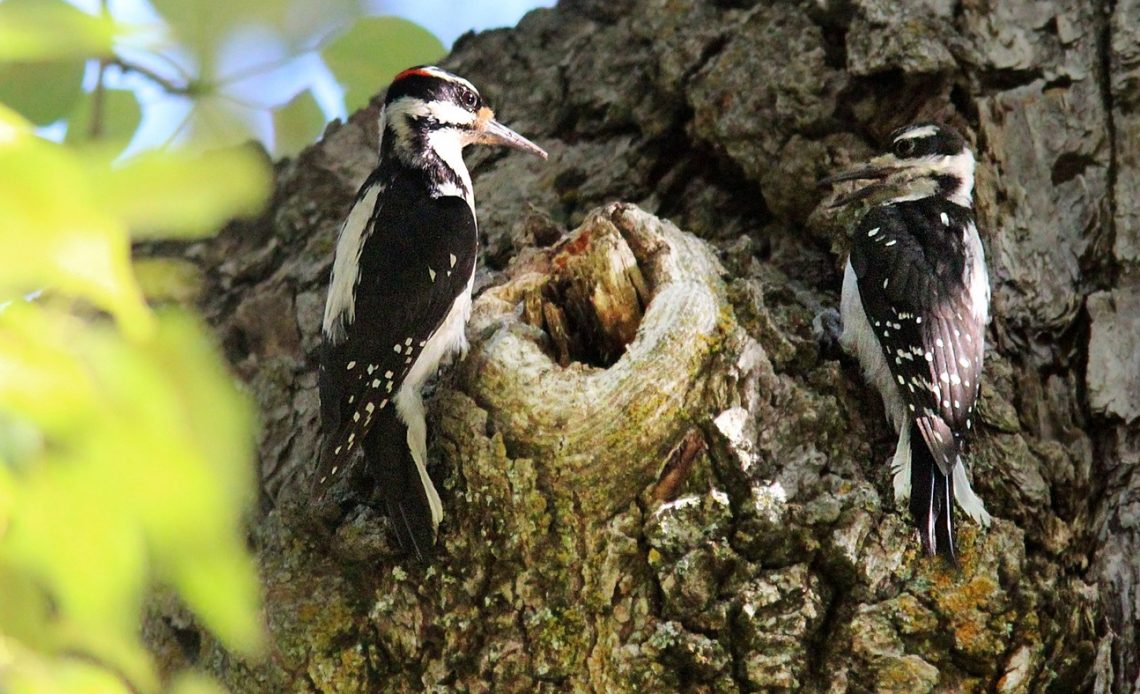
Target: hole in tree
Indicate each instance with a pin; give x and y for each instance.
(594, 298)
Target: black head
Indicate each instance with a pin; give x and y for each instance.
(428, 110)
(920, 140)
(428, 83)
(920, 160)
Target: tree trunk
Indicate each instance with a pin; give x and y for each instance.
(655, 474)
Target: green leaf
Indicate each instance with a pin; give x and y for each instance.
(297, 124)
(216, 121)
(194, 683)
(168, 280)
(145, 469)
(184, 194)
(39, 30)
(119, 118)
(42, 92)
(56, 233)
(373, 51)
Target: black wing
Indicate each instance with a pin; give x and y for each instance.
(416, 261)
(910, 265)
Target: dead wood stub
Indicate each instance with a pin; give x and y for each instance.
(624, 288)
(593, 299)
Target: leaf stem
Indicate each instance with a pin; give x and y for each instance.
(168, 86)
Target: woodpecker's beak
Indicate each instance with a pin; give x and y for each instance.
(878, 170)
(492, 132)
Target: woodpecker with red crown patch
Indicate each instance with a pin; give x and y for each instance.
(915, 304)
(400, 293)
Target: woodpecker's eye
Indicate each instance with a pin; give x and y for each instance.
(904, 148)
(469, 99)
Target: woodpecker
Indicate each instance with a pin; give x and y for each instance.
(914, 306)
(400, 293)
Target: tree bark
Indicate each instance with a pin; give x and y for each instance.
(655, 475)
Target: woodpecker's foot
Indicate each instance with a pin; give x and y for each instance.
(826, 328)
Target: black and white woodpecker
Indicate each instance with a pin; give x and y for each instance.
(400, 293)
(914, 305)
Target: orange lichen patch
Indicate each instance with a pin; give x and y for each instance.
(972, 595)
(969, 605)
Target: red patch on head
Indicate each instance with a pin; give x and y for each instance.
(413, 72)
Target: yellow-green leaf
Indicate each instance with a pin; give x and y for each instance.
(194, 683)
(185, 404)
(216, 121)
(57, 234)
(37, 30)
(168, 280)
(182, 193)
(366, 57)
(119, 117)
(42, 92)
(297, 124)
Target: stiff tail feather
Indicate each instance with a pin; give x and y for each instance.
(389, 461)
(931, 500)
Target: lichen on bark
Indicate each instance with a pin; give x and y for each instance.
(672, 483)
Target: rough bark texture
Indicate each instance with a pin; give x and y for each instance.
(706, 505)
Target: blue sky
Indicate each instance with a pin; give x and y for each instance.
(449, 19)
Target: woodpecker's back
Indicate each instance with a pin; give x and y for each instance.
(400, 294)
(915, 305)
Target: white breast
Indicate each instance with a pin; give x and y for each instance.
(858, 339)
(450, 337)
(976, 277)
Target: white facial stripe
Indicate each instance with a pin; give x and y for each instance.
(447, 76)
(917, 176)
(922, 131)
(447, 142)
(452, 114)
(448, 145)
(961, 167)
(401, 110)
(340, 307)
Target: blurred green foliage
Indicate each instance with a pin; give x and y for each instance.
(126, 449)
(42, 71)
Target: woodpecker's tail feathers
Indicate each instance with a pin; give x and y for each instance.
(331, 465)
(408, 496)
(967, 499)
(931, 494)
